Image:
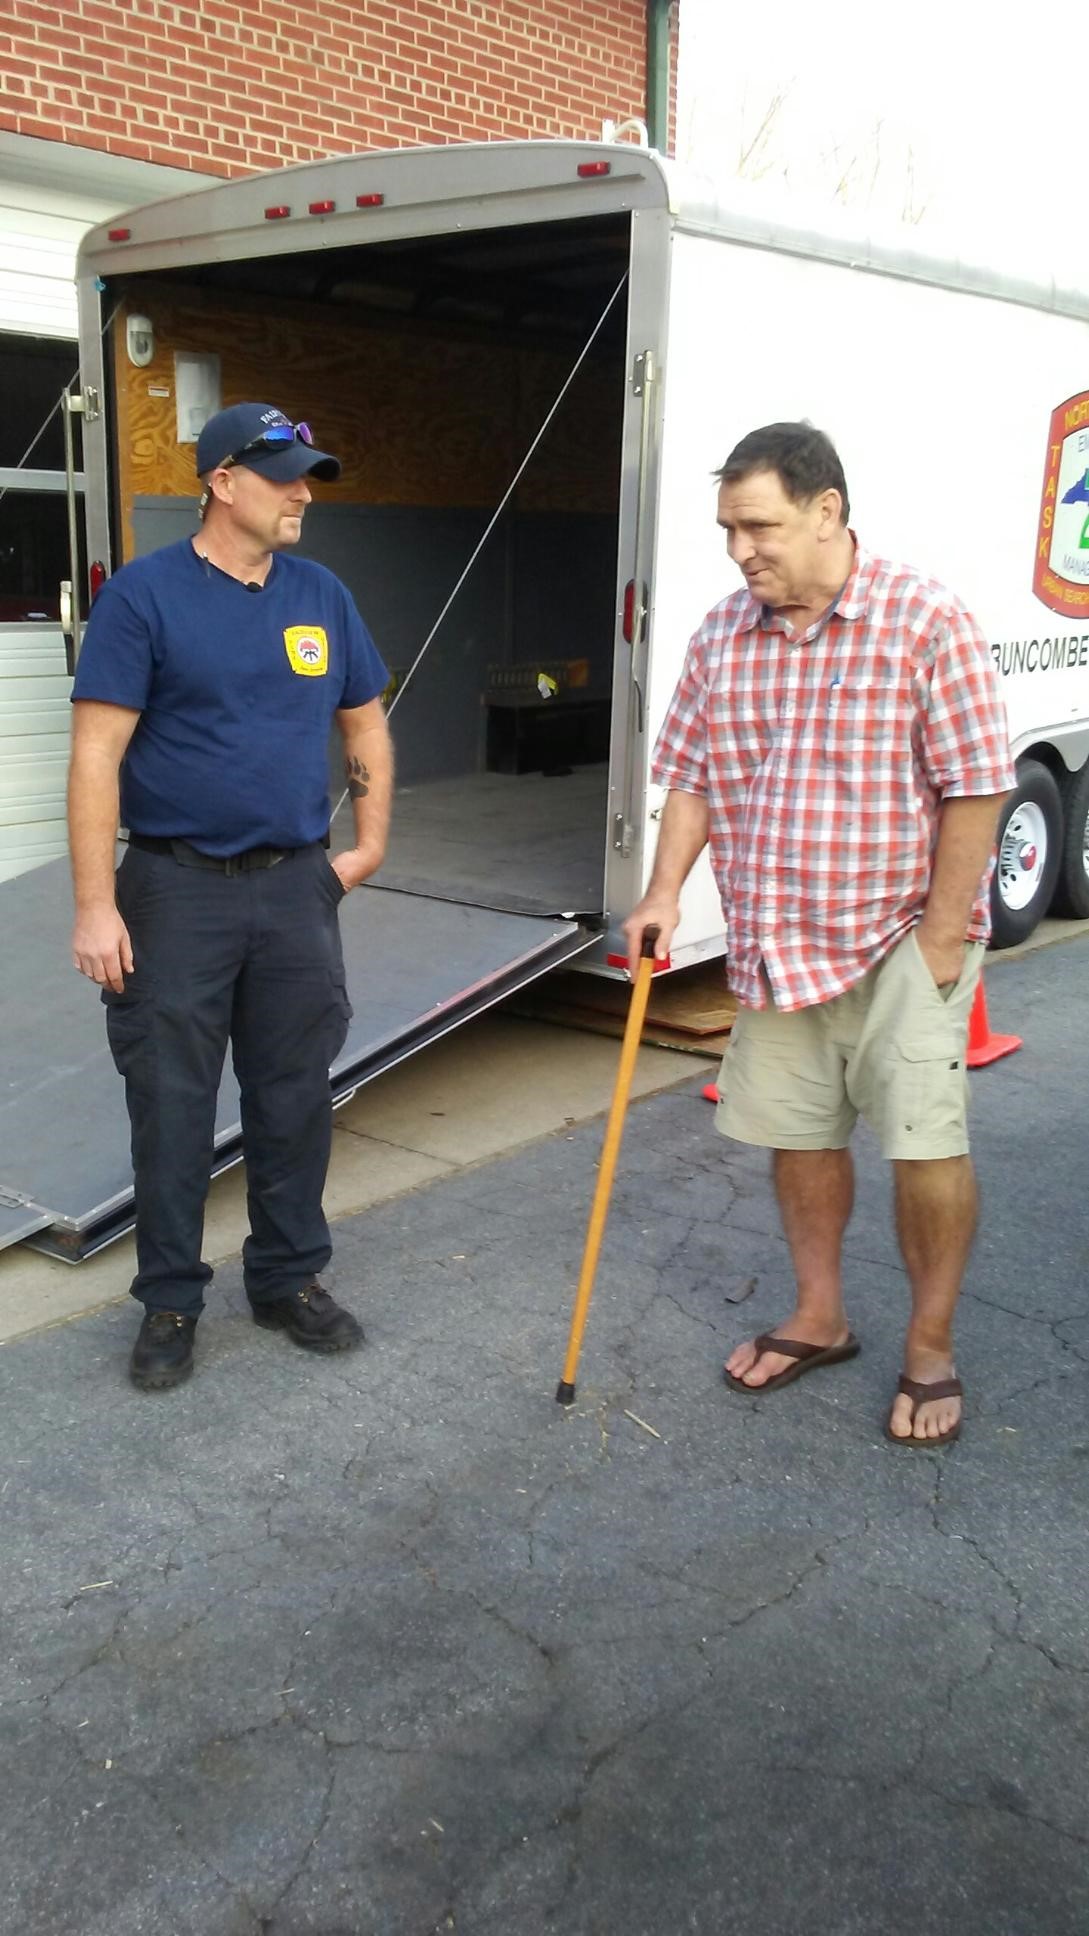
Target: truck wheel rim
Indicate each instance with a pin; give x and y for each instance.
(1085, 846)
(1023, 856)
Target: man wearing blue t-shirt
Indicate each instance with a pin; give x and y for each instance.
(209, 679)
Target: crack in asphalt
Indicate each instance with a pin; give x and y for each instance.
(550, 1655)
(909, 1779)
(570, 1816)
(267, 1922)
(1025, 1317)
(994, 1806)
(692, 1317)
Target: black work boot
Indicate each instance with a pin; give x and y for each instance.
(311, 1318)
(163, 1353)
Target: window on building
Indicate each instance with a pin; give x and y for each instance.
(33, 502)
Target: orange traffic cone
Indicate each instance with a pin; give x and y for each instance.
(983, 1047)
(709, 1092)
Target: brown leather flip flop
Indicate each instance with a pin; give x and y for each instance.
(921, 1395)
(809, 1357)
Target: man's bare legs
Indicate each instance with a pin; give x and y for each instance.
(816, 1190)
(936, 1208)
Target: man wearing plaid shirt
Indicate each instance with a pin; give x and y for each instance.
(839, 739)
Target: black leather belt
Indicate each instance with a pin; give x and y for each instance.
(187, 856)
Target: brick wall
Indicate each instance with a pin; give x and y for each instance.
(227, 86)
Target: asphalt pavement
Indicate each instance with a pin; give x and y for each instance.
(391, 1644)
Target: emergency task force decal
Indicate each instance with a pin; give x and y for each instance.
(307, 650)
(1061, 577)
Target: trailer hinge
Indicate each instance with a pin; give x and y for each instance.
(15, 1200)
(622, 832)
(642, 375)
(84, 403)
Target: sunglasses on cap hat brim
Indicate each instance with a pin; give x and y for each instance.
(276, 441)
(272, 439)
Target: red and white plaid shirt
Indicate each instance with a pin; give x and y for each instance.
(824, 760)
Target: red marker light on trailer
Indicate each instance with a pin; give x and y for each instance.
(322, 208)
(635, 612)
(369, 201)
(588, 168)
(96, 578)
(629, 610)
(277, 213)
(119, 235)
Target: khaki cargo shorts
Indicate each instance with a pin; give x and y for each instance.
(891, 1049)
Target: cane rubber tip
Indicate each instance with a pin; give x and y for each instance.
(565, 1393)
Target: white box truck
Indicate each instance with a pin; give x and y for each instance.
(403, 298)
(531, 357)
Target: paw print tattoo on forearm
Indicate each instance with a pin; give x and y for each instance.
(359, 780)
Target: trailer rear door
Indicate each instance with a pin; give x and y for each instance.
(416, 967)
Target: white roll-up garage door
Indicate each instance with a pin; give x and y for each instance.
(50, 194)
(38, 253)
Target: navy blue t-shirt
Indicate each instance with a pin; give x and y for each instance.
(236, 692)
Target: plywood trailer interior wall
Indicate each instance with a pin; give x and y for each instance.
(429, 378)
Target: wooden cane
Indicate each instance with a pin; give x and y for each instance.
(614, 1130)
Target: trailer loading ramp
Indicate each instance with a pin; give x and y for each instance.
(416, 966)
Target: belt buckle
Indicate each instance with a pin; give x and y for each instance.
(251, 859)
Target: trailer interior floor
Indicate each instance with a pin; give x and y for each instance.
(529, 843)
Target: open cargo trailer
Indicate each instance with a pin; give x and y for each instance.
(425, 310)
(428, 354)
(431, 361)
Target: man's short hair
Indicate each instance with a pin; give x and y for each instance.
(803, 459)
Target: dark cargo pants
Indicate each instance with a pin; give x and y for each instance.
(253, 958)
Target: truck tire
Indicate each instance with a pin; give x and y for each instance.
(1072, 890)
(1030, 836)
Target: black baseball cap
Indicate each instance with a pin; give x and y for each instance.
(264, 440)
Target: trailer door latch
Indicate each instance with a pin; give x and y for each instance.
(83, 403)
(621, 835)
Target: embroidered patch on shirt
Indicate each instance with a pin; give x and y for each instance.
(307, 649)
